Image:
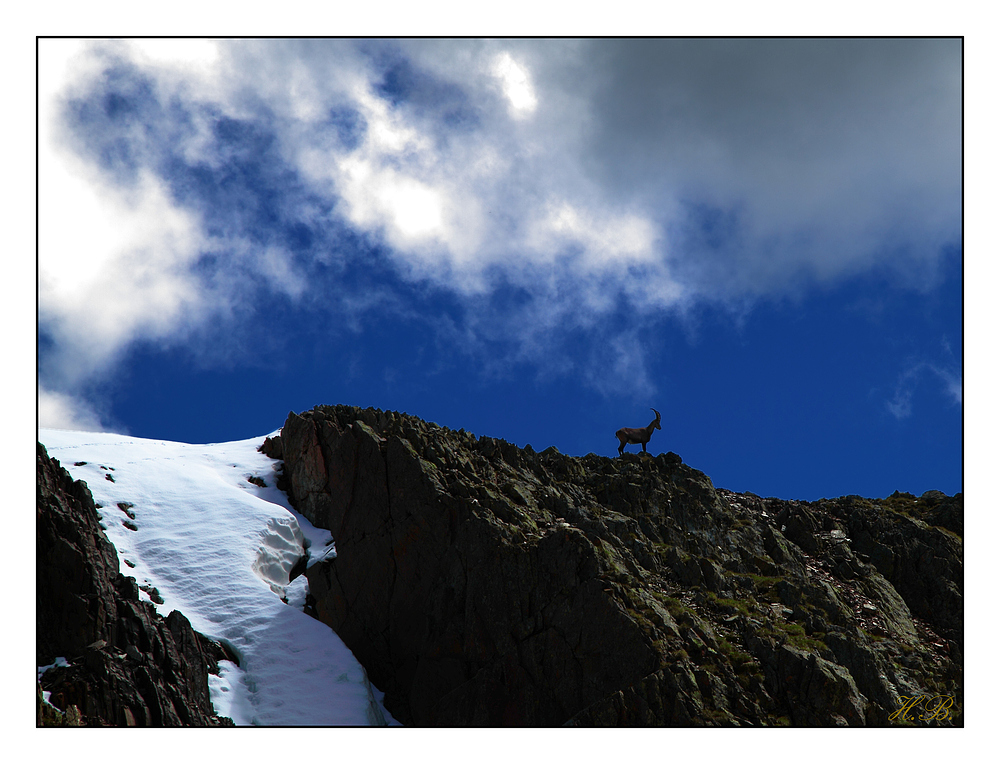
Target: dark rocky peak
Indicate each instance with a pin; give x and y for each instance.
(482, 583)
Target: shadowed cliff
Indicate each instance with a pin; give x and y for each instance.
(484, 584)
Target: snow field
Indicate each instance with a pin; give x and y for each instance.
(193, 530)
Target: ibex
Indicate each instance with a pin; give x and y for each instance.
(637, 434)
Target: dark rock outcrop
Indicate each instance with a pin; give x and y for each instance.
(127, 665)
(484, 584)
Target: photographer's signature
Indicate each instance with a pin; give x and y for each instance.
(924, 707)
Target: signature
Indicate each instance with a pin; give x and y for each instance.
(926, 707)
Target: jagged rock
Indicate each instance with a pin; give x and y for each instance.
(484, 584)
(923, 563)
(48, 715)
(819, 692)
(272, 447)
(126, 665)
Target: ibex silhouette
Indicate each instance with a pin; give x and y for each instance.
(639, 435)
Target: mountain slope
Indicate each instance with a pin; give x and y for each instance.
(130, 665)
(202, 530)
(480, 583)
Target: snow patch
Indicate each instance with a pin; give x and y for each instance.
(327, 552)
(230, 695)
(208, 541)
(59, 663)
(281, 547)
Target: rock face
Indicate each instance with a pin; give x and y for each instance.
(126, 664)
(484, 584)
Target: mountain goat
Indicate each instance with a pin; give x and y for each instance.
(640, 435)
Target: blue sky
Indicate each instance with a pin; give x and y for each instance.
(532, 239)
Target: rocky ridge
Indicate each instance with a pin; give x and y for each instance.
(484, 584)
(114, 660)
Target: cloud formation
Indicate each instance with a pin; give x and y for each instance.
(787, 159)
(66, 412)
(544, 185)
(901, 403)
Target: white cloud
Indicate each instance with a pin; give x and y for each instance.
(114, 266)
(414, 207)
(605, 240)
(409, 210)
(115, 260)
(191, 53)
(67, 412)
(650, 174)
(452, 206)
(516, 83)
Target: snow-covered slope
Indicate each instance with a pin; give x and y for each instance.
(191, 528)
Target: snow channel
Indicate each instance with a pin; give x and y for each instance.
(188, 523)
